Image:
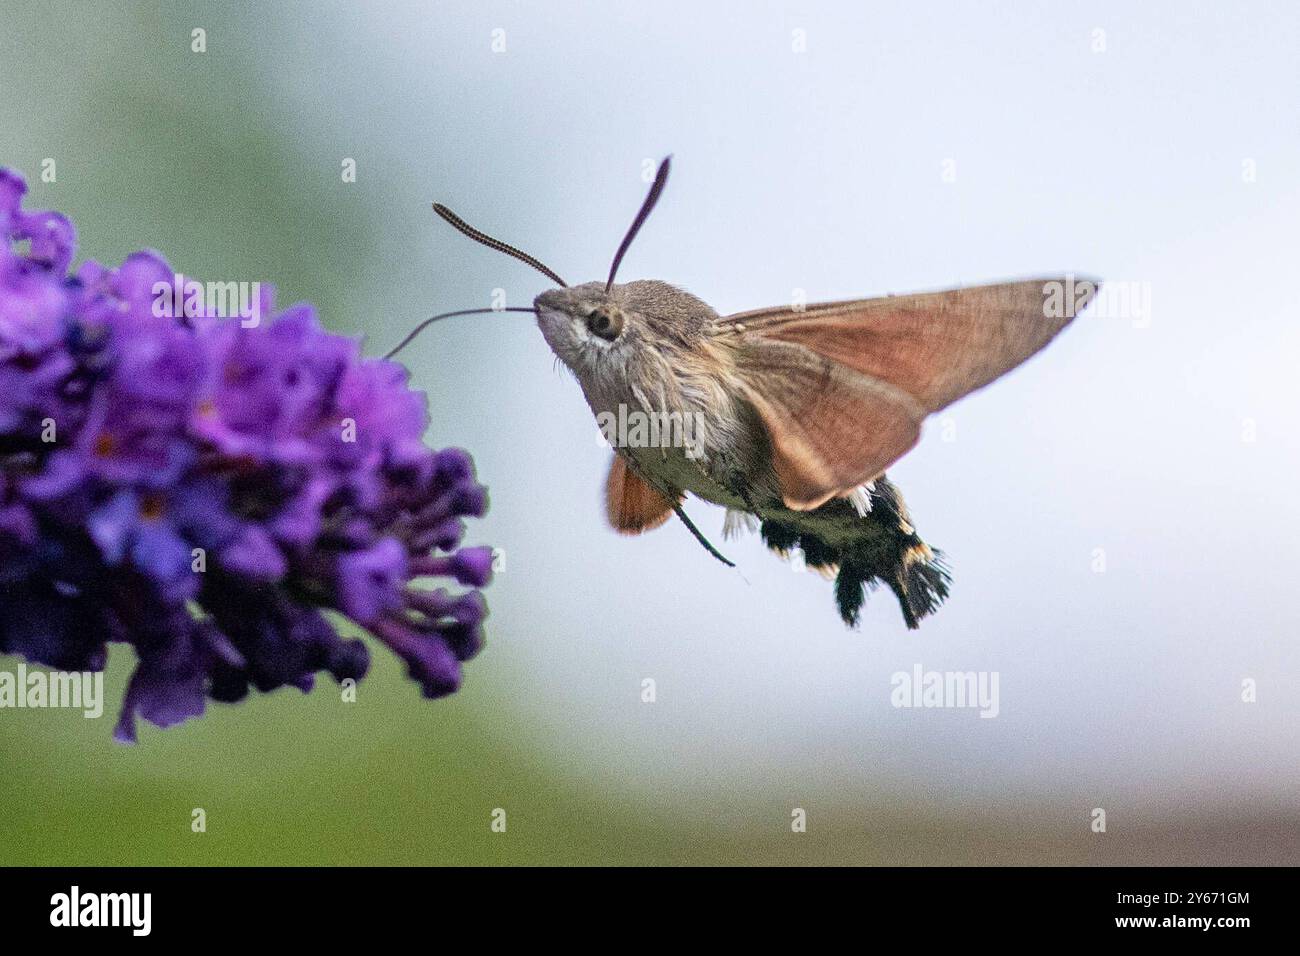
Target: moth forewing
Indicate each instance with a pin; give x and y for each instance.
(842, 387)
(936, 346)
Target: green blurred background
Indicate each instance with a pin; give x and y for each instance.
(1119, 693)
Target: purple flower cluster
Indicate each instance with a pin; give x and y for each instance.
(207, 492)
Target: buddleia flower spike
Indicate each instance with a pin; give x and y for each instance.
(208, 493)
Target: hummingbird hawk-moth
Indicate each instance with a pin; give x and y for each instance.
(800, 409)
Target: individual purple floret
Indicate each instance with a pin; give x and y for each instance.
(205, 489)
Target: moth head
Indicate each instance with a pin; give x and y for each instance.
(591, 327)
(580, 317)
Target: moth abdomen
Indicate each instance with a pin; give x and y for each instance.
(864, 551)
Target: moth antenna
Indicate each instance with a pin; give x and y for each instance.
(447, 315)
(462, 226)
(651, 198)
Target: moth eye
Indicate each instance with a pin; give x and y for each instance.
(605, 324)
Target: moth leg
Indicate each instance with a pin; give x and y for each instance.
(677, 509)
(743, 493)
(699, 536)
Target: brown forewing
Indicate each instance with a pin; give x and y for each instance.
(842, 387)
